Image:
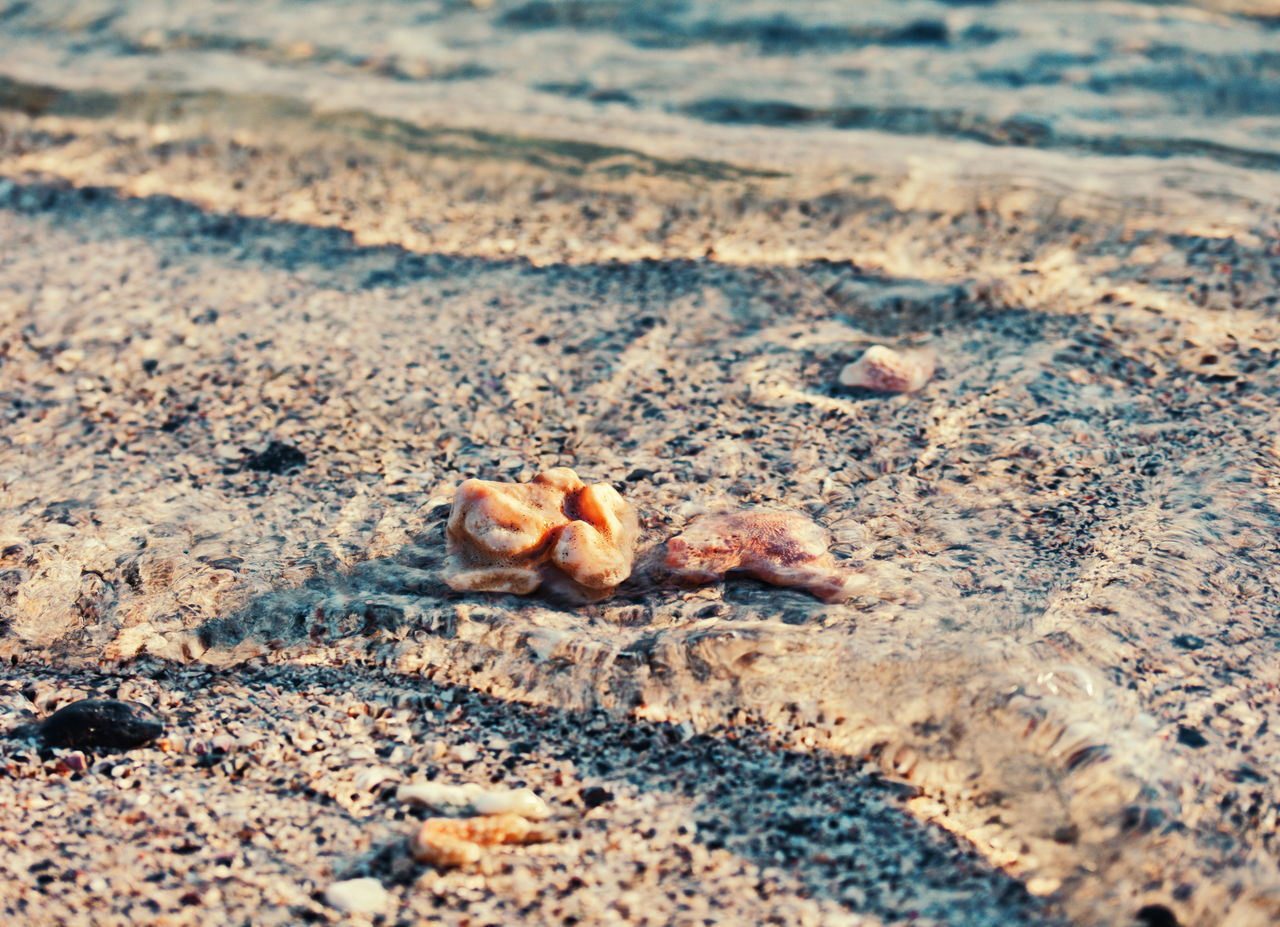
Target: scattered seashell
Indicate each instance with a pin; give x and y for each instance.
(1207, 362)
(782, 548)
(513, 537)
(889, 371)
(523, 802)
(68, 361)
(93, 722)
(374, 776)
(465, 753)
(450, 842)
(358, 896)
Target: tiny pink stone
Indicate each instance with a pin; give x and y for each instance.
(75, 761)
(888, 371)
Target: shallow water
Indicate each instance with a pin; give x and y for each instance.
(449, 240)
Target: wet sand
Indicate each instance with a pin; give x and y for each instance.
(415, 246)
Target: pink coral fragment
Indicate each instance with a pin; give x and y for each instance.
(513, 537)
(889, 371)
(782, 548)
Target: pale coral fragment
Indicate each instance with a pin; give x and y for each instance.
(889, 371)
(782, 548)
(449, 842)
(514, 537)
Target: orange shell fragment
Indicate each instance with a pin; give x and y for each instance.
(555, 529)
(782, 548)
(450, 842)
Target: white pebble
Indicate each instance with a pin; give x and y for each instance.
(435, 795)
(465, 753)
(890, 371)
(523, 802)
(66, 361)
(358, 896)
(519, 801)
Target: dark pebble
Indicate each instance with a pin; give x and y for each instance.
(94, 722)
(1190, 737)
(277, 458)
(1156, 915)
(593, 796)
(922, 32)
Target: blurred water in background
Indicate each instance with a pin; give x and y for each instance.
(1071, 533)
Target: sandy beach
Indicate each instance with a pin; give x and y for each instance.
(275, 278)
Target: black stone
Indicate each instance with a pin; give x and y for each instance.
(1067, 834)
(798, 827)
(277, 458)
(1190, 737)
(593, 796)
(94, 722)
(921, 32)
(1156, 915)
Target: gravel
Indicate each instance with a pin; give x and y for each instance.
(269, 289)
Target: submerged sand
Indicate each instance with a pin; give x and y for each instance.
(271, 286)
